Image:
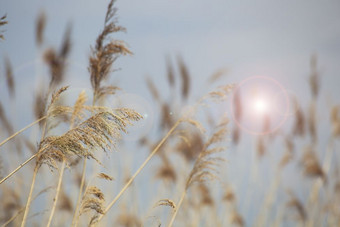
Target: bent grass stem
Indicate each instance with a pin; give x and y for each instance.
(139, 169)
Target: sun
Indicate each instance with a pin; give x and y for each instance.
(260, 105)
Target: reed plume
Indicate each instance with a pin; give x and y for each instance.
(95, 130)
(3, 21)
(100, 132)
(314, 80)
(237, 112)
(335, 121)
(166, 171)
(311, 164)
(166, 202)
(185, 78)
(170, 73)
(236, 219)
(128, 219)
(105, 53)
(229, 195)
(10, 78)
(93, 200)
(299, 125)
(6, 123)
(295, 204)
(105, 176)
(57, 61)
(205, 166)
(40, 28)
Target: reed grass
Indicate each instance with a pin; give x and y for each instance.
(181, 160)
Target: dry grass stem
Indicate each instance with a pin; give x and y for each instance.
(62, 168)
(139, 169)
(21, 130)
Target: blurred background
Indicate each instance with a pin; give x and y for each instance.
(280, 42)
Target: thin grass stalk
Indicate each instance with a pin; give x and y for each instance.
(177, 208)
(21, 130)
(75, 218)
(19, 167)
(13, 217)
(20, 210)
(36, 168)
(268, 201)
(139, 170)
(57, 192)
(30, 196)
(58, 188)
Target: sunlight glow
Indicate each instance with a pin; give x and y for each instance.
(260, 105)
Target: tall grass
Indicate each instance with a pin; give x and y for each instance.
(182, 178)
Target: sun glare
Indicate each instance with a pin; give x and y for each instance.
(261, 105)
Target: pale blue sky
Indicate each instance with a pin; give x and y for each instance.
(247, 37)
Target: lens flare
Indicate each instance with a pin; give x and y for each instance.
(260, 106)
(254, 105)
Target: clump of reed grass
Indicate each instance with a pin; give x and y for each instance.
(204, 168)
(96, 130)
(99, 132)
